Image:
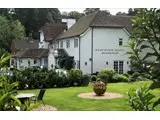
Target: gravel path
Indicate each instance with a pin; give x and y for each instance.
(45, 108)
(107, 95)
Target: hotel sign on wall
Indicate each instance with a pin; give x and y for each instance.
(109, 51)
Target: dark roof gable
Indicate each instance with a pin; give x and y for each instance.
(25, 44)
(32, 53)
(97, 19)
(79, 27)
(51, 31)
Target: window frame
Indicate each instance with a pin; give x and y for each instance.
(68, 44)
(35, 61)
(76, 42)
(61, 44)
(118, 66)
(120, 41)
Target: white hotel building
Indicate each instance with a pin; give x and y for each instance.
(96, 42)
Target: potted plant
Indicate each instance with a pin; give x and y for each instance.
(99, 87)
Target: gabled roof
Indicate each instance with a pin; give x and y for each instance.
(51, 31)
(25, 44)
(97, 19)
(32, 53)
(79, 27)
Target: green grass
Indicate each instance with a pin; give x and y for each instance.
(66, 99)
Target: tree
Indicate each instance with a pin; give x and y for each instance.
(73, 14)
(34, 18)
(88, 11)
(10, 30)
(76, 15)
(107, 11)
(121, 14)
(146, 31)
(7, 12)
(64, 14)
(131, 12)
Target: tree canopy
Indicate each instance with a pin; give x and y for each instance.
(145, 44)
(73, 14)
(88, 11)
(10, 30)
(32, 18)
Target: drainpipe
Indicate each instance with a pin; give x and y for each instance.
(92, 51)
(79, 52)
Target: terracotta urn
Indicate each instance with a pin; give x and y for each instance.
(99, 88)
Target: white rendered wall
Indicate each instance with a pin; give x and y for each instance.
(51, 61)
(24, 64)
(43, 43)
(85, 52)
(103, 38)
(72, 51)
(106, 48)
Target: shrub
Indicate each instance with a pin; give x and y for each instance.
(120, 78)
(93, 78)
(135, 75)
(62, 79)
(39, 79)
(141, 99)
(146, 75)
(75, 76)
(106, 75)
(85, 80)
(155, 85)
(51, 79)
(34, 78)
(126, 74)
(8, 101)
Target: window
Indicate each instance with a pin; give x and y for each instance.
(118, 66)
(35, 61)
(120, 41)
(61, 44)
(75, 42)
(106, 63)
(85, 63)
(29, 63)
(67, 43)
(57, 44)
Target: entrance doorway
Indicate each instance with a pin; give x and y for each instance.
(118, 66)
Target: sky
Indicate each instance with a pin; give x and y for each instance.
(111, 10)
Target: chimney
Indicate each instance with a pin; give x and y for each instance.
(69, 22)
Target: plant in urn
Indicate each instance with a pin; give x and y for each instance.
(99, 87)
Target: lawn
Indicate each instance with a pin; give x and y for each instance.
(65, 99)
